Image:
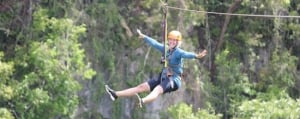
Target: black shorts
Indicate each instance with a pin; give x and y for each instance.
(165, 83)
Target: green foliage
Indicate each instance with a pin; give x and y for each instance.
(184, 111)
(5, 114)
(259, 76)
(107, 38)
(6, 71)
(232, 86)
(284, 108)
(284, 64)
(9, 14)
(6, 90)
(48, 70)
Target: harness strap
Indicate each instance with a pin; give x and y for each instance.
(170, 66)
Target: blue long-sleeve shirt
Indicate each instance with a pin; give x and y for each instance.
(175, 58)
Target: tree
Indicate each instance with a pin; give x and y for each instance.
(272, 109)
(49, 68)
(184, 111)
(6, 90)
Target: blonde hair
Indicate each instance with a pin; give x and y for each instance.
(179, 43)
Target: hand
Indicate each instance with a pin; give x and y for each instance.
(201, 54)
(141, 35)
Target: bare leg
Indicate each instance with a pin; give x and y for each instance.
(153, 95)
(132, 91)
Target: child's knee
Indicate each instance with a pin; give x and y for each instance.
(142, 87)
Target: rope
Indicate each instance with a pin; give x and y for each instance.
(207, 35)
(165, 30)
(232, 14)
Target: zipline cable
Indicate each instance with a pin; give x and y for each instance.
(232, 14)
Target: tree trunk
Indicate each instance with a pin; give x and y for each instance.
(226, 22)
(221, 40)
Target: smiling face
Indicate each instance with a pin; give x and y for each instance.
(174, 39)
(172, 43)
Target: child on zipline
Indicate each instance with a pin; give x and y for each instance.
(169, 79)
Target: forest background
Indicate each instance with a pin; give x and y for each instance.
(57, 55)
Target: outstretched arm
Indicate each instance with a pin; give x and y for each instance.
(191, 55)
(151, 41)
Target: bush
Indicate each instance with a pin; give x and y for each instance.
(184, 111)
(284, 108)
